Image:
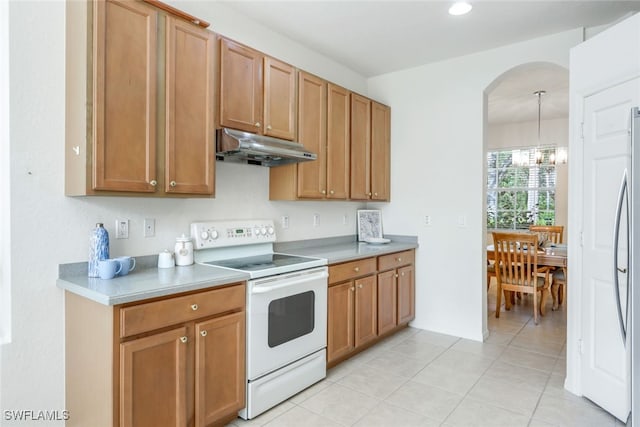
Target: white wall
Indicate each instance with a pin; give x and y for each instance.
(525, 134)
(49, 228)
(437, 129)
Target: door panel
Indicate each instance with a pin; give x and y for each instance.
(340, 320)
(366, 324)
(605, 374)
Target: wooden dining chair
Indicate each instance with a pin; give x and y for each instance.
(553, 233)
(558, 284)
(516, 258)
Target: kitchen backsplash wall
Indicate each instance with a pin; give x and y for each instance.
(242, 192)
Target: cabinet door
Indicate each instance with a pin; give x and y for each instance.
(338, 146)
(279, 99)
(240, 87)
(312, 133)
(380, 151)
(340, 317)
(220, 380)
(360, 147)
(387, 304)
(406, 294)
(124, 97)
(366, 319)
(153, 380)
(190, 148)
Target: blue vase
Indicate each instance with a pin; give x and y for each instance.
(98, 248)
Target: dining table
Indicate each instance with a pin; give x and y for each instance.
(552, 255)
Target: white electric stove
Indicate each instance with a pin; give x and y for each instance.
(286, 308)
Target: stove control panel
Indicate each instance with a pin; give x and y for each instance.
(220, 234)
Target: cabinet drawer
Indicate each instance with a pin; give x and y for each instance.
(387, 262)
(348, 270)
(154, 315)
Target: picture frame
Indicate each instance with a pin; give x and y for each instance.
(369, 224)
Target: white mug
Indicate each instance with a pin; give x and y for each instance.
(165, 259)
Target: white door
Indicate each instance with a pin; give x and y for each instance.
(605, 372)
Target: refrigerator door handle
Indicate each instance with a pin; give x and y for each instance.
(616, 240)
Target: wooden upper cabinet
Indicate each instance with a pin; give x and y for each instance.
(190, 145)
(338, 144)
(124, 96)
(380, 151)
(312, 133)
(279, 99)
(240, 87)
(360, 147)
(257, 93)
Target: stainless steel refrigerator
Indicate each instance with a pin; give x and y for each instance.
(626, 262)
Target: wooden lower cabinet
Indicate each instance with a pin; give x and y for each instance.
(153, 380)
(406, 294)
(361, 310)
(177, 361)
(366, 312)
(387, 301)
(220, 368)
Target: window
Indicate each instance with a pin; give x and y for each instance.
(520, 191)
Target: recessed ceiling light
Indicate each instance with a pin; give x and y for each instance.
(460, 8)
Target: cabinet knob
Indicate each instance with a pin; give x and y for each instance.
(153, 182)
(402, 274)
(183, 339)
(203, 333)
(194, 307)
(257, 124)
(369, 194)
(353, 288)
(396, 275)
(399, 259)
(173, 183)
(323, 191)
(375, 194)
(331, 192)
(268, 127)
(360, 286)
(356, 269)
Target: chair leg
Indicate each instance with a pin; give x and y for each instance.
(535, 307)
(560, 293)
(543, 300)
(498, 299)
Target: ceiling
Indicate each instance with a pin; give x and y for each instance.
(374, 37)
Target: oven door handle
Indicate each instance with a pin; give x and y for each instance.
(290, 281)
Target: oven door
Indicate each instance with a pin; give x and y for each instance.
(286, 319)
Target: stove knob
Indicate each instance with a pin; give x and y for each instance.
(263, 230)
(270, 230)
(213, 234)
(256, 231)
(204, 235)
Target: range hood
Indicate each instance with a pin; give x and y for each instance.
(260, 150)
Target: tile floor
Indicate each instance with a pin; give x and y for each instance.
(422, 378)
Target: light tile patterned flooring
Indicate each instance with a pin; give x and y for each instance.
(422, 378)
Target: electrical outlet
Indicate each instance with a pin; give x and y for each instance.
(284, 222)
(122, 228)
(462, 221)
(345, 219)
(427, 220)
(149, 227)
(316, 220)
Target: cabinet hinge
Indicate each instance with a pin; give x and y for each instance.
(580, 346)
(581, 238)
(582, 130)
